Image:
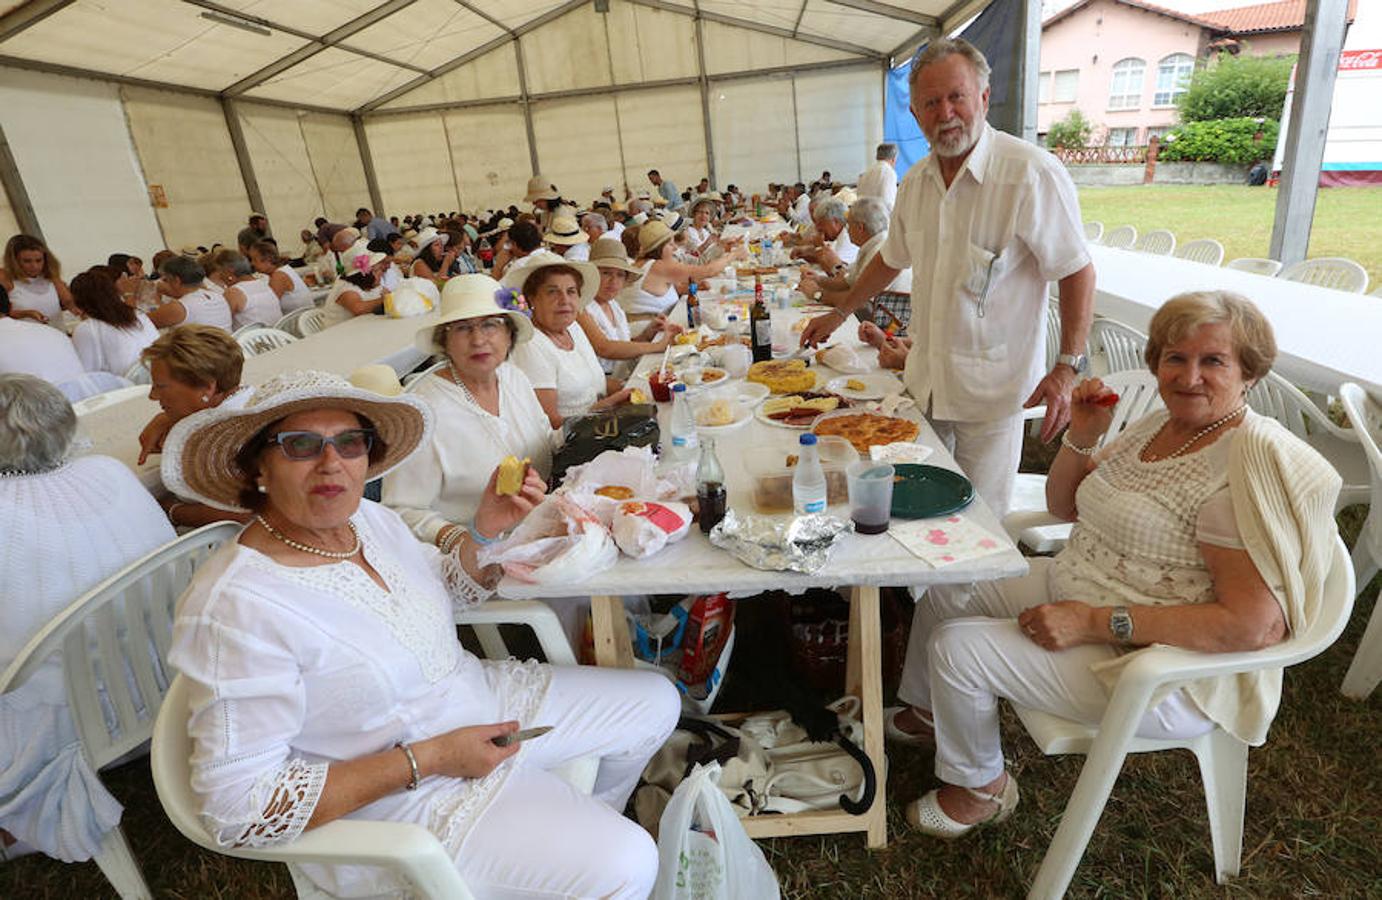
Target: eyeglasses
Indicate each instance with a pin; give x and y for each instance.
(487, 327)
(350, 444)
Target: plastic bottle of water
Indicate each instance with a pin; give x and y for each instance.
(808, 479)
(684, 440)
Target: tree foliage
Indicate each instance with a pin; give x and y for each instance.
(1070, 132)
(1224, 140)
(1237, 86)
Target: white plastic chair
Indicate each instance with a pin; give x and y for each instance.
(311, 321)
(138, 373)
(114, 642)
(289, 322)
(1037, 413)
(1365, 415)
(1276, 397)
(1205, 250)
(98, 401)
(91, 384)
(411, 851)
(261, 339)
(413, 380)
(1118, 347)
(1121, 238)
(1027, 521)
(1255, 265)
(1223, 758)
(1093, 231)
(1330, 272)
(1160, 242)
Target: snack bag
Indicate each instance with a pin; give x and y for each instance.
(643, 528)
(414, 297)
(558, 543)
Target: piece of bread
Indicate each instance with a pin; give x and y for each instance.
(511, 473)
(615, 492)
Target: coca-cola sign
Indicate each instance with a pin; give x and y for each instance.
(1355, 60)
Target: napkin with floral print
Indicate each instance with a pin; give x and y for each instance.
(946, 540)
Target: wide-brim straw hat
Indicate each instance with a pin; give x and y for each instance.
(846, 196)
(608, 253)
(199, 453)
(590, 276)
(705, 200)
(652, 235)
(673, 219)
(539, 188)
(377, 378)
(565, 230)
(470, 297)
(431, 235)
(360, 250)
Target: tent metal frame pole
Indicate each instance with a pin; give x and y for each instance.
(26, 15)
(13, 184)
(704, 82)
(796, 127)
(614, 101)
(242, 155)
(1028, 50)
(526, 101)
(867, 52)
(1320, 48)
(887, 9)
(376, 198)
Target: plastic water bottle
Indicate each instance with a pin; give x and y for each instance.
(808, 479)
(684, 439)
(732, 325)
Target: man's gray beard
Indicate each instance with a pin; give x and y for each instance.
(971, 138)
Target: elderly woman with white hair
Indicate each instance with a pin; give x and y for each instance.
(867, 224)
(831, 247)
(594, 226)
(67, 525)
(252, 301)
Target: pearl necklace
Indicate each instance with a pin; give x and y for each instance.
(1212, 426)
(305, 548)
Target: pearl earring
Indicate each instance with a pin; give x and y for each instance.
(263, 490)
(205, 398)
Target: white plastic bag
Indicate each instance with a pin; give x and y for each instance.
(412, 297)
(703, 851)
(643, 528)
(558, 543)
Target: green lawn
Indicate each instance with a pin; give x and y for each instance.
(1348, 221)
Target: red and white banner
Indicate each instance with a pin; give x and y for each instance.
(1356, 60)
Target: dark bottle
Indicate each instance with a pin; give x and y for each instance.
(760, 325)
(711, 496)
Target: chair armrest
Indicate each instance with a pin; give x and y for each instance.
(1015, 522)
(1035, 412)
(533, 613)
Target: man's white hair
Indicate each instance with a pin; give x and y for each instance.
(829, 208)
(594, 220)
(940, 48)
(871, 213)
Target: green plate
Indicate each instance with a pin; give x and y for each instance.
(923, 492)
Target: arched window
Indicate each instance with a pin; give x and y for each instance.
(1125, 91)
(1172, 78)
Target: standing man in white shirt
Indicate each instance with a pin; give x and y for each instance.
(984, 222)
(880, 179)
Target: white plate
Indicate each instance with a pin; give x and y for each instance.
(700, 386)
(742, 415)
(751, 393)
(762, 417)
(877, 385)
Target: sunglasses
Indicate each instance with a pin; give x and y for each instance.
(350, 444)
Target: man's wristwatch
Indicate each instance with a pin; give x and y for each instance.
(1120, 624)
(1077, 361)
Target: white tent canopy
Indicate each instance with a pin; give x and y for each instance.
(172, 119)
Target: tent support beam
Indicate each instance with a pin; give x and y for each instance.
(705, 99)
(867, 52)
(1320, 47)
(376, 198)
(29, 14)
(526, 102)
(242, 155)
(1025, 71)
(13, 184)
(888, 9)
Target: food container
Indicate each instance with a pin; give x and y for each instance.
(771, 477)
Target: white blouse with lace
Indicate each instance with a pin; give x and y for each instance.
(293, 668)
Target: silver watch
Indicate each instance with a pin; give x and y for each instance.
(1120, 623)
(1077, 361)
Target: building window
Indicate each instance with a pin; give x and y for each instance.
(1044, 87)
(1121, 137)
(1172, 78)
(1064, 85)
(1158, 132)
(1125, 91)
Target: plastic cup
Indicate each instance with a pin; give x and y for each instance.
(736, 359)
(870, 495)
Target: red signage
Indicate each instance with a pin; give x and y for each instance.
(1356, 60)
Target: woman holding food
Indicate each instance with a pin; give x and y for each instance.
(485, 410)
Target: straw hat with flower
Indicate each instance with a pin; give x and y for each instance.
(515, 278)
(473, 297)
(359, 259)
(199, 453)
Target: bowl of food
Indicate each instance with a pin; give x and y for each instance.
(720, 415)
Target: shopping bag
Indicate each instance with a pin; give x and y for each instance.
(703, 851)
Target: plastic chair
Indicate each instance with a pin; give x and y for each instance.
(1028, 521)
(411, 851)
(98, 401)
(1037, 413)
(1205, 250)
(91, 384)
(261, 339)
(412, 380)
(289, 322)
(1276, 397)
(1255, 265)
(1330, 272)
(138, 373)
(1365, 415)
(1160, 242)
(1093, 231)
(311, 321)
(1121, 238)
(1121, 348)
(114, 641)
(1223, 758)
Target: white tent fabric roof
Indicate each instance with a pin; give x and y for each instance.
(359, 55)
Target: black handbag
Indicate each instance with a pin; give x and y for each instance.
(586, 437)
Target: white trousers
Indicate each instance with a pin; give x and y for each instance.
(540, 837)
(966, 651)
(988, 453)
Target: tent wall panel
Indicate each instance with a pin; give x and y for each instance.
(335, 159)
(427, 33)
(754, 132)
(662, 130)
(185, 147)
(493, 75)
(72, 147)
(278, 153)
(650, 44)
(577, 144)
(489, 145)
(582, 59)
(413, 163)
(334, 79)
(307, 15)
(839, 122)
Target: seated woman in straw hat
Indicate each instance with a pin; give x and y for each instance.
(359, 292)
(325, 679)
(485, 410)
(664, 277)
(566, 238)
(433, 258)
(604, 320)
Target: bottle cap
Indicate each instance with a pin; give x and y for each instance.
(679, 387)
(734, 318)
(808, 439)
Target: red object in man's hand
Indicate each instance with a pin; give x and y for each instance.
(1106, 400)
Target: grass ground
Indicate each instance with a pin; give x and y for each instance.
(1348, 221)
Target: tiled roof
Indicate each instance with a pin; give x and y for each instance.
(1282, 15)
(1201, 21)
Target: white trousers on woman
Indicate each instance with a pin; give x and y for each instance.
(966, 651)
(540, 837)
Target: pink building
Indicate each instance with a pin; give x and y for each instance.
(1123, 63)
